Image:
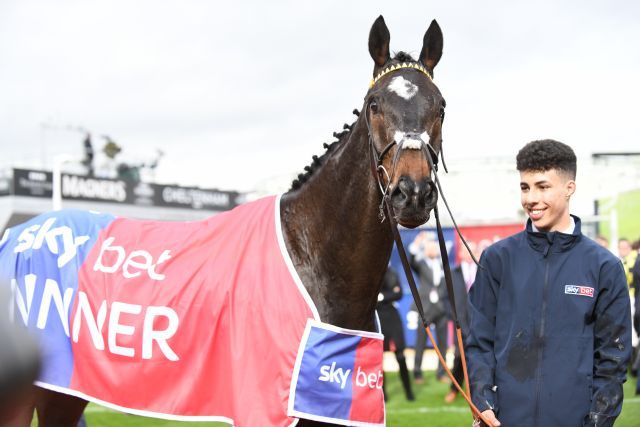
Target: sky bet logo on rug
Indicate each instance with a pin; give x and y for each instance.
(338, 376)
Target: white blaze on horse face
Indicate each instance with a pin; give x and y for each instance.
(402, 87)
(398, 136)
(412, 143)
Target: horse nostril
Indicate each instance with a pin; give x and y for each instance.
(410, 192)
(406, 187)
(429, 187)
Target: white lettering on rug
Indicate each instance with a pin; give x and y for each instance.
(35, 236)
(333, 374)
(132, 265)
(118, 318)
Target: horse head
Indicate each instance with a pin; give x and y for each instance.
(404, 111)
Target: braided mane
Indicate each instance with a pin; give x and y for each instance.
(317, 162)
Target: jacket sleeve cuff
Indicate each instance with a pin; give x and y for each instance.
(595, 419)
(485, 398)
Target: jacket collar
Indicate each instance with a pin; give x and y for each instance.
(554, 241)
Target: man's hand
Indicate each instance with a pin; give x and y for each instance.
(491, 417)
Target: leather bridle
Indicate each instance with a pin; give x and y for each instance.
(380, 173)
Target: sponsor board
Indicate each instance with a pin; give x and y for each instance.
(35, 183)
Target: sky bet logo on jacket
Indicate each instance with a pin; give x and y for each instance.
(579, 290)
(338, 376)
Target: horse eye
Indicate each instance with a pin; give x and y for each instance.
(373, 106)
(442, 114)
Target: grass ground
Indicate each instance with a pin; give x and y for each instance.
(627, 206)
(427, 410)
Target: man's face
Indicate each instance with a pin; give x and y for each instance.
(624, 248)
(545, 198)
(432, 249)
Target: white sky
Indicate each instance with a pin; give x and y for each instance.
(239, 93)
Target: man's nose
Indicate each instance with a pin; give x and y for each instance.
(531, 197)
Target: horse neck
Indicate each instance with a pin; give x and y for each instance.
(335, 238)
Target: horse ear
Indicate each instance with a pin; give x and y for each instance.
(379, 43)
(431, 46)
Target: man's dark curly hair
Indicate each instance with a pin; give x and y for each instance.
(547, 154)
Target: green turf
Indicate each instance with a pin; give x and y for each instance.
(627, 206)
(428, 409)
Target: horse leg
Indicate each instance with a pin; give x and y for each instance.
(310, 423)
(18, 410)
(57, 409)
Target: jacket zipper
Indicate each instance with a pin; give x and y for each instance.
(541, 341)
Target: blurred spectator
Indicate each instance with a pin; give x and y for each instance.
(635, 288)
(602, 241)
(627, 256)
(425, 260)
(462, 277)
(392, 329)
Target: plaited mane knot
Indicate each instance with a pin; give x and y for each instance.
(317, 162)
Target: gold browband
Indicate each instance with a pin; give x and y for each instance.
(388, 70)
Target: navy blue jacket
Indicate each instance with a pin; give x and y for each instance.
(550, 331)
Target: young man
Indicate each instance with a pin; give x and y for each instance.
(550, 333)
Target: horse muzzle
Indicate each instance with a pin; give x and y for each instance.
(413, 201)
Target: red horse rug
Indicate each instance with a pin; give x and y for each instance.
(190, 321)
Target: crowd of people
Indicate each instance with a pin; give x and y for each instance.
(628, 252)
(424, 256)
(546, 316)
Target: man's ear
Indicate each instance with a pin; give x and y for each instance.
(570, 188)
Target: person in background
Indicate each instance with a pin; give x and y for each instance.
(425, 260)
(602, 241)
(628, 256)
(392, 329)
(462, 277)
(635, 288)
(550, 323)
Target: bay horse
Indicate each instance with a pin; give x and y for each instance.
(332, 222)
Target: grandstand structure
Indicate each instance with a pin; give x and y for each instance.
(480, 191)
(25, 193)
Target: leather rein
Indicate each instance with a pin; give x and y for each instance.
(386, 211)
